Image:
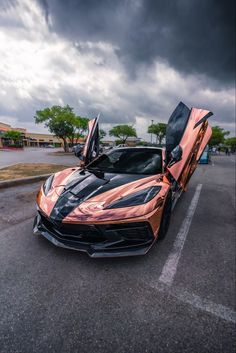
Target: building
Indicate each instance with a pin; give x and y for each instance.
(31, 139)
(5, 127)
(133, 141)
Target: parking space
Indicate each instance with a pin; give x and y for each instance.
(207, 265)
(54, 299)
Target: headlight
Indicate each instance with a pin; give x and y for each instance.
(48, 184)
(137, 198)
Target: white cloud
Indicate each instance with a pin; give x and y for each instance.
(39, 68)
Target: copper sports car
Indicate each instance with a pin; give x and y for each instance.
(119, 203)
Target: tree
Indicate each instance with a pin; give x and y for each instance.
(13, 135)
(102, 133)
(218, 136)
(159, 130)
(231, 142)
(59, 120)
(122, 132)
(79, 128)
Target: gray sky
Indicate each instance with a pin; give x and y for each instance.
(132, 61)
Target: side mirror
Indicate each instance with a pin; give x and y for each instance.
(176, 155)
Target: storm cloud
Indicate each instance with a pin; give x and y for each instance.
(193, 36)
(132, 61)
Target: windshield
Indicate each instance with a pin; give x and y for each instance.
(129, 161)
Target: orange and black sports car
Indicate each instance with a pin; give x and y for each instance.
(120, 202)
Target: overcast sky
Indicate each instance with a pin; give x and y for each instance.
(132, 61)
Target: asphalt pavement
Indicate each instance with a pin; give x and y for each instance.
(35, 155)
(57, 300)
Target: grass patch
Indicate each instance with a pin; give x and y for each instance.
(24, 170)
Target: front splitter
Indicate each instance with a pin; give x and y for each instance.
(136, 250)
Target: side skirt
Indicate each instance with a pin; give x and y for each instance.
(175, 197)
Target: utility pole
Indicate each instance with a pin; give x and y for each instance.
(151, 132)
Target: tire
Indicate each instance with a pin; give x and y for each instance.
(166, 216)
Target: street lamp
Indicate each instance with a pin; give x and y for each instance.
(151, 131)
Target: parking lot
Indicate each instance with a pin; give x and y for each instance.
(35, 155)
(180, 297)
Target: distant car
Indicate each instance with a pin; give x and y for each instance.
(205, 157)
(78, 149)
(107, 148)
(50, 146)
(120, 203)
(122, 145)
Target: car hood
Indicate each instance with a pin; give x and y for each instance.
(73, 187)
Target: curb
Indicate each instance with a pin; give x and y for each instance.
(23, 181)
(11, 149)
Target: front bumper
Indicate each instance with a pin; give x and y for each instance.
(104, 240)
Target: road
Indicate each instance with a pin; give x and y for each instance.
(35, 155)
(57, 300)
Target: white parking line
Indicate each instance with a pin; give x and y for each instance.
(170, 267)
(197, 302)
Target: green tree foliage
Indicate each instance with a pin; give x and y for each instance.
(80, 127)
(231, 142)
(122, 132)
(13, 138)
(102, 133)
(218, 136)
(159, 130)
(13, 135)
(62, 122)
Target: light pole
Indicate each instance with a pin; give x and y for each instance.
(151, 132)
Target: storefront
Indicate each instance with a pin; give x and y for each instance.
(29, 139)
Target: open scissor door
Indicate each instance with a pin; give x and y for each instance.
(91, 148)
(187, 135)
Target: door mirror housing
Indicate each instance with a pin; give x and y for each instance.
(176, 155)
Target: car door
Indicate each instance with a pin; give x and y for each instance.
(91, 147)
(188, 132)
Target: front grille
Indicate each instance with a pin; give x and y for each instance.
(112, 236)
(73, 232)
(130, 231)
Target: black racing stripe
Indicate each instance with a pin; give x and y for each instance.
(73, 196)
(64, 205)
(76, 178)
(86, 186)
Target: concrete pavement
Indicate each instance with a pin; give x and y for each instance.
(56, 300)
